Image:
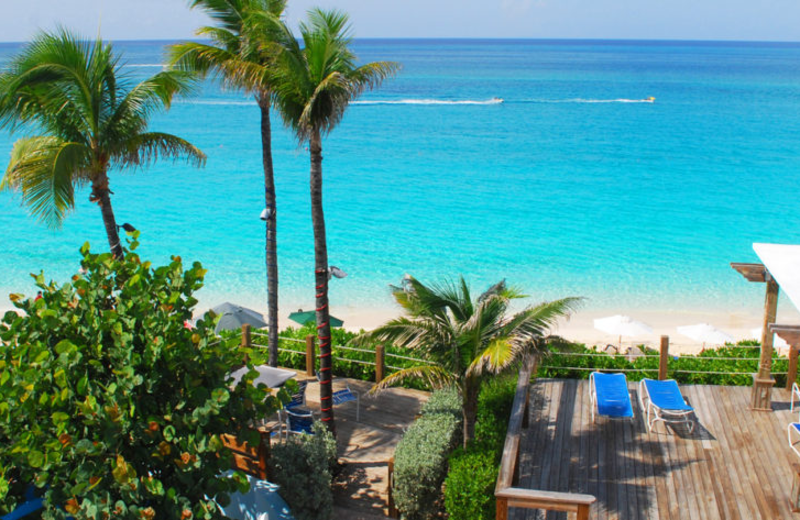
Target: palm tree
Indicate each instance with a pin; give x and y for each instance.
(89, 118)
(465, 341)
(242, 52)
(315, 84)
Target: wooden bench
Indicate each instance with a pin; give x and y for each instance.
(250, 459)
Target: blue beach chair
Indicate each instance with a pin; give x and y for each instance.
(609, 396)
(663, 401)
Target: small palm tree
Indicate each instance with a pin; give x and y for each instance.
(315, 84)
(87, 118)
(466, 341)
(242, 53)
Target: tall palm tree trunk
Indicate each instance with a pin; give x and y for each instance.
(271, 233)
(100, 195)
(321, 278)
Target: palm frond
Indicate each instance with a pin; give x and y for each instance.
(496, 357)
(435, 376)
(45, 170)
(143, 149)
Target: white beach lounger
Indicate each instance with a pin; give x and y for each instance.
(663, 401)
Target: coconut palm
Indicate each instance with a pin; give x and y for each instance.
(465, 341)
(82, 118)
(242, 50)
(315, 84)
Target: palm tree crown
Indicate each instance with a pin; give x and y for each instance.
(466, 340)
(84, 117)
(317, 81)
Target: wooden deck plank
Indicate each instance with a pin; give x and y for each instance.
(734, 466)
(711, 420)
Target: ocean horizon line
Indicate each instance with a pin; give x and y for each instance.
(461, 40)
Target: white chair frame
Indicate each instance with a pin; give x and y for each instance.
(661, 414)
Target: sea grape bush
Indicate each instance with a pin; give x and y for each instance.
(110, 406)
(421, 456)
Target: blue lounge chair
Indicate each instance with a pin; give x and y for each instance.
(609, 396)
(663, 401)
(300, 422)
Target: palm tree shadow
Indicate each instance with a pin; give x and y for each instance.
(614, 460)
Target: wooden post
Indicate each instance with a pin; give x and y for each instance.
(380, 363)
(502, 509)
(770, 310)
(583, 512)
(663, 358)
(791, 377)
(246, 341)
(310, 354)
(393, 512)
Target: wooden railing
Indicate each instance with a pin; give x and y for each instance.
(382, 363)
(506, 492)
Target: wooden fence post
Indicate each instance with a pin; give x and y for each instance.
(791, 377)
(663, 358)
(583, 512)
(380, 363)
(502, 509)
(246, 341)
(310, 354)
(393, 512)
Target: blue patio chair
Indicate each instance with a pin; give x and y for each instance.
(609, 396)
(663, 401)
(794, 430)
(299, 422)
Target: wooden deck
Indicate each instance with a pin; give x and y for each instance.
(735, 465)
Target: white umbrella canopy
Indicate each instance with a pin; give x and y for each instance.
(706, 333)
(620, 325)
(777, 341)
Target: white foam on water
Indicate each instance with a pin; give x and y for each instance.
(582, 100)
(493, 101)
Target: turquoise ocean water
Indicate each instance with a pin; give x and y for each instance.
(571, 186)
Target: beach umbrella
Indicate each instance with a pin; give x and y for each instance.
(233, 316)
(777, 341)
(620, 325)
(305, 317)
(706, 333)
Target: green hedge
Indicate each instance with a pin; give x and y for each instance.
(303, 468)
(742, 359)
(421, 456)
(469, 487)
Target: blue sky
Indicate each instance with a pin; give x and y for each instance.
(775, 20)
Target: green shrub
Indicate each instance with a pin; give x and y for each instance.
(110, 406)
(303, 468)
(421, 456)
(469, 487)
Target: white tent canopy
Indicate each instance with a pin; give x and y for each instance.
(783, 263)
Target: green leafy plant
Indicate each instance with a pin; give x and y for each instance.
(110, 406)
(303, 468)
(421, 456)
